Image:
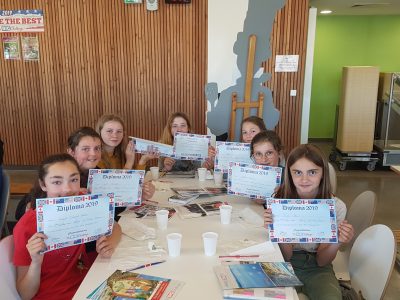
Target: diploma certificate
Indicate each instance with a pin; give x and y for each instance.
(126, 185)
(303, 221)
(69, 221)
(254, 181)
(188, 146)
(146, 146)
(227, 152)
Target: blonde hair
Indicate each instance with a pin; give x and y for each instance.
(119, 151)
(166, 136)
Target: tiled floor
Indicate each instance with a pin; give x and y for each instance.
(385, 183)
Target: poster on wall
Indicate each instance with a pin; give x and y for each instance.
(11, 47)
(286, 63)
(21, 21)
(30, 48)
(132, 1)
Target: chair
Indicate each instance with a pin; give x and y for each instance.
(371, 261)
(332, 178)
(360, 215)
(7, 269)
(5, 194)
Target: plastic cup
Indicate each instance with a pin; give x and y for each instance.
(210, 243)
(155, 173)
(162, 218)
(218, 178)
(202, 172)
(174, 244)
(225, 213)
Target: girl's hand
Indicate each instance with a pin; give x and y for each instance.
(35, 245)
(152, 153)
(148, 190)
(267, 217)
(130, 154)
(211, 152)
(346, 232)
(104, 247)
(168, 163)
(83, 191)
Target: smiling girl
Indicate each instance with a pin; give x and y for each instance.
(250, 127)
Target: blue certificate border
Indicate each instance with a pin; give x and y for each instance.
(190, 135)
(218, 143)
(332, 215)
(278, 170)
(40, 203)
(138, 199)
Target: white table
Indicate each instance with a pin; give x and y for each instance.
(192, 267)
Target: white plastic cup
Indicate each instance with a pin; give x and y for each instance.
(162, 218)
(225, 212)
(174, 244)
(218, 178)
(210, 243)
(155, 173)
(202, 172)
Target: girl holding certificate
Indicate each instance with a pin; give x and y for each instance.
(307, 177)
(266, 148)
(250, 127)
(58, 273)
(179, 122)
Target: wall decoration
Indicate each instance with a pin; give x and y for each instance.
(21, 21)
(132, 1)
(178, 1)
(152, 5)
(286, 63)
(11, 47)
(30, 48)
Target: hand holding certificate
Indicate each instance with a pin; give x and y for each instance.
(69, 221)
(227, 152)
(254, 181)
(126, 185)
(303, 221)
(188, 146)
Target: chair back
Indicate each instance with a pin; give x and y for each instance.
(8, 288)
(371, 261)
(5, 194)
(361, 213)
(332, 177)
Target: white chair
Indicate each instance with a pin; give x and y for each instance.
(7, 270)
(371, 261)
(5, 195)
(360, 215)
(332, 177)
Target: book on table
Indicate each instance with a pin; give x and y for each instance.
(147, 211)
(194, 210)
(206, 191)
(182, 199)
(280, 293)
(182, 174)
(256, 275)
(129, 285)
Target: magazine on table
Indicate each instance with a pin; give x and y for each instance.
(195, 210)
(259, 293)
(256, 275)
(206, 191)
(128, 285)
(182, 174)
(182, 199)
(147, 211)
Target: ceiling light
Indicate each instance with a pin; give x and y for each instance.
(325, 11)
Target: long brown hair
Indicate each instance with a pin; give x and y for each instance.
(119, 151)
(167, 137)
(311, 152)
(37, 192)
(267, 136)
(254, 120)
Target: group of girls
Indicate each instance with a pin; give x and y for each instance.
(60, 272)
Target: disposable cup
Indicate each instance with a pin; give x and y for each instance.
(218, 178)
(210, 243)
(202, 174)
(155, 173)
(162, 218)
(225, 213)
(174, 244)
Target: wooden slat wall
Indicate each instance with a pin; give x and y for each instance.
(289, 36)
(101, 56)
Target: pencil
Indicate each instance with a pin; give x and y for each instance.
(146, 265)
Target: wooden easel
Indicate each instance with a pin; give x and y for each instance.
(247, 104)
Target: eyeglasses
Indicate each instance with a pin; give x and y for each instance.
(267, 154)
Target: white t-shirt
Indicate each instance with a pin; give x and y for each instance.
(340, 216)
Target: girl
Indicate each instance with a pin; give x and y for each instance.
(117, 153)
(266, 148)
(59, 272)
(250, 127)
(179, 122)
(307, 177)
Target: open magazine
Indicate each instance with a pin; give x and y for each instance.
(194, 210)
